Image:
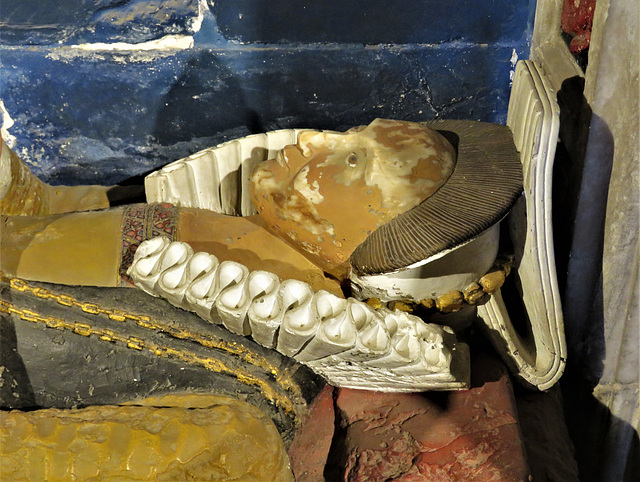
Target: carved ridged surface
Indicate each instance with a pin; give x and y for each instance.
(538, 359)
(185, 437)
(217, 178)
(484, 185)
(345, 340)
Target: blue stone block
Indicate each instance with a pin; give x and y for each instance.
(101, 117)
(374, 21)
(140, 20)
(34, 22)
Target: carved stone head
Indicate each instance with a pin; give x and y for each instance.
(327, 193)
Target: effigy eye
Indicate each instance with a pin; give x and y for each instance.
(352, 159)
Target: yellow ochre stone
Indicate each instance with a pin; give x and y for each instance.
(450, 302)
(21, 193)
(77, 249)
(491, 282)
(174, 437)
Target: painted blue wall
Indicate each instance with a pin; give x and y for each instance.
(101, 116)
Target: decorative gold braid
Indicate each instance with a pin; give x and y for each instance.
(477, 293)
(136, 343)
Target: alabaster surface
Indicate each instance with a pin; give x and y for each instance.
(539, 354)
(345, 340)
(434, 248)
(328, 192)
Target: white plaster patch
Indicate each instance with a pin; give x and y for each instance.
(514, 61)
(7, 123)
(5, 156)
(309, 191)
(5, 172)
(168, 42)
(196, 23)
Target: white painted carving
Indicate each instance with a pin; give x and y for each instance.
(217, 178)
(538, 359)
(344, 340)
(197, 181)
(447, 271)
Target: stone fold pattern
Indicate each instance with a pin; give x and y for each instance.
(345, 340)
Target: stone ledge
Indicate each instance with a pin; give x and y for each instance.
(379, 22)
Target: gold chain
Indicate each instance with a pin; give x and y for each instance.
(140, 344)
(477, 293)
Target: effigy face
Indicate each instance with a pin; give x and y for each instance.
(331, 190)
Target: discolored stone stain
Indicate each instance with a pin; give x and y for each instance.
(333, 189)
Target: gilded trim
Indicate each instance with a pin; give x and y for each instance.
(141, 222)
(210, 363)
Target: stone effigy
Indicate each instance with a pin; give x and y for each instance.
(402, 216)
(395, 197)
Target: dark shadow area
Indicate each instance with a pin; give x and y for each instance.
(580, 192)
(581, 186)
(16, 391)
(597, 433)
(582, 58)
(126, 194)
(336, 458)
(205, 100)
(513, 235)
(512, 296)
(568, 168)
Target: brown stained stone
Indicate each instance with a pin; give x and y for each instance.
(310, 448)
(327, 193)
(465, 435)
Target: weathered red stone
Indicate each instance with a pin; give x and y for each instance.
(465, 435)
(310, 448)
(577, 21)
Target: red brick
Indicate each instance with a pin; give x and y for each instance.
(310, 447)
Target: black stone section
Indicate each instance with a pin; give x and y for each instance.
(373, 21)
(15, 387)
(63, 368)
(126, 194)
